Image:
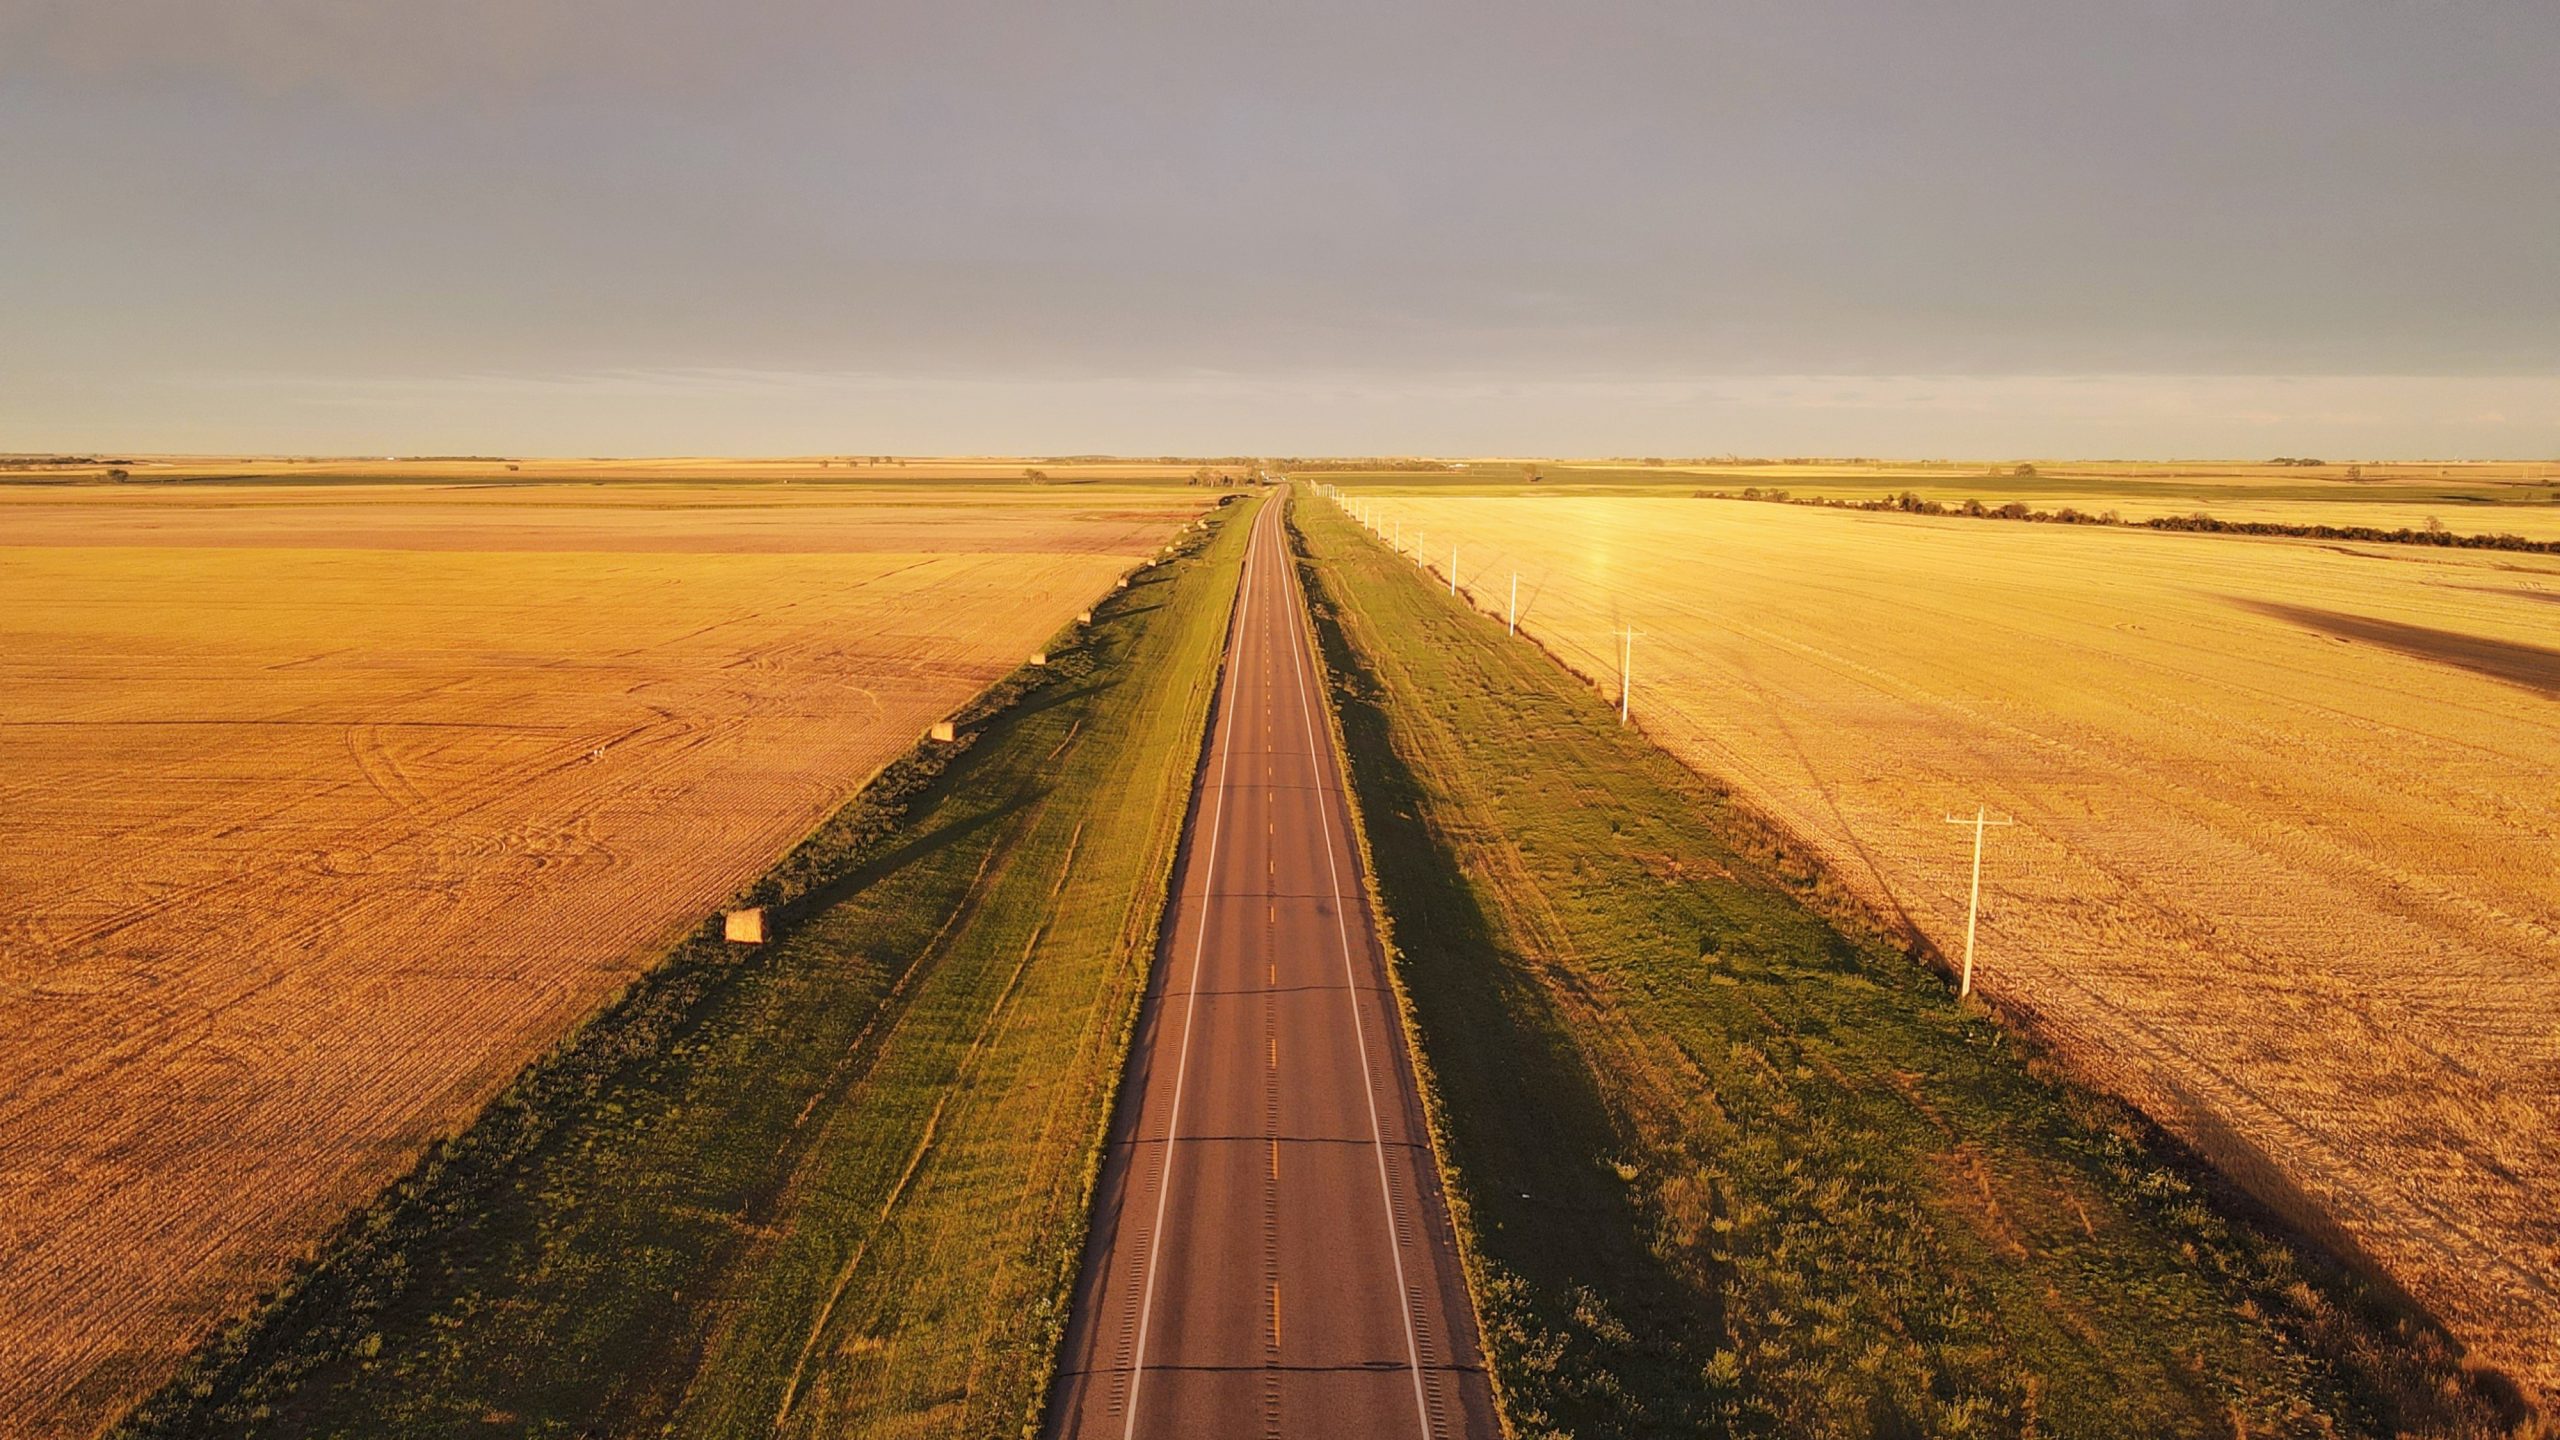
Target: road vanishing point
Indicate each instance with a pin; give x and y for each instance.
(1271, 1251)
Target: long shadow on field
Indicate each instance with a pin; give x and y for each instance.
(2249, 1181)
(1048, 698)
(2530, 666)
(922, 847)
(996, 732)
(1532, 1140)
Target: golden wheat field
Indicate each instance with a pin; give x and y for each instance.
(2286, 867)
(2473, 498)
(323, 809)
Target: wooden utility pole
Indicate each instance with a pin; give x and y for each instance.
(1626, 671)
(1973, 907)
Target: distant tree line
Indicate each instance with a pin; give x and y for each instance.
(1149, 459)
(1342, 463)
(53, 462)
(1906, 502)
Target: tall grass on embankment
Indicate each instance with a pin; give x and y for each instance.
(836, 1184)
(1724, 1166)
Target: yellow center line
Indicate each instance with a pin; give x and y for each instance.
(1275, 1314)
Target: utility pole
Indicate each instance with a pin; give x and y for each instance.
(1973, 908)
(1453, 567)
(1626, 671)
(1512, 619)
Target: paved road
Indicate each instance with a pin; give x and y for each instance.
(1271, 1253)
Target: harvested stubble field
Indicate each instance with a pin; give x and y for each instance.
(2473, 498)
(326, 809)
(2283, 869)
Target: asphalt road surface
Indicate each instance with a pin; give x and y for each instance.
(1271, 1253)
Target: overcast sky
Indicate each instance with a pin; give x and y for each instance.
(1690, 227)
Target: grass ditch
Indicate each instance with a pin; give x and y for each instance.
(1729, 1162)
(837, 1183)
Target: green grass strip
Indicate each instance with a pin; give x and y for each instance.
(1728, 1162)
(832, 1185)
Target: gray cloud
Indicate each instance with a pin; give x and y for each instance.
(704, 411)
(1545, 193)
(374, 52)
